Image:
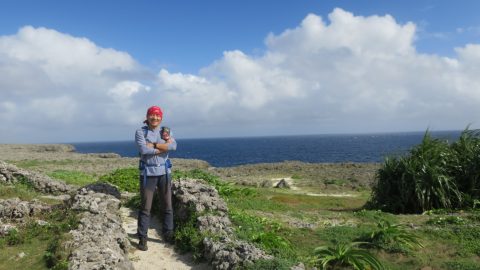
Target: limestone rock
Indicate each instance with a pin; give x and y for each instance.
(10, 174)
(194, 197)
(282, 184)
(99, 242)
(15, 209)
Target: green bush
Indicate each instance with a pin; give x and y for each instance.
(346, 255)
(72, 177)
(432, 175)
(187, 236)
(274, 264)
(461, 265)
(125, 179)
(465, 166)
(448, 220)
(262, 231)
(393, 237)
(14, 237)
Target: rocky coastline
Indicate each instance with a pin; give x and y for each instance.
(100, 242)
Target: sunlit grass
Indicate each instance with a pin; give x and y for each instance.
(72, 177)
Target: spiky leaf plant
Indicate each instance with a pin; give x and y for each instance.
(417, 182)
(345, 255)
(388, 234)
(465, 168)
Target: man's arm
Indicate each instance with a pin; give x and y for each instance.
(170, 145)
(142, 144)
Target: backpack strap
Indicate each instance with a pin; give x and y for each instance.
(168, 163)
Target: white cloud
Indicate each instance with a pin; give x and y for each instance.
(355, 74)
(54, 82)
(350, 74)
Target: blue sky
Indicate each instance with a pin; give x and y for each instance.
(187, 35)
(217, 67)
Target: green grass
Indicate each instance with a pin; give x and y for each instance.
(22, 191)
(127, 179)
(263, 216)
(72, 177)
(346, 255)
(34, 163)
(41, 244)
(434, 174)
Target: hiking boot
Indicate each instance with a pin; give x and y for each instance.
(169, 237)
(142, 244)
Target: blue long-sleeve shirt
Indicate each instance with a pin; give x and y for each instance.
(154, 164)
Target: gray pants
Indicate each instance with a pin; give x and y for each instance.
(147, 189)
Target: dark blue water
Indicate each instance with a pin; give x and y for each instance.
(225, 152)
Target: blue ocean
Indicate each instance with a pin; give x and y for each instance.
(226, 152)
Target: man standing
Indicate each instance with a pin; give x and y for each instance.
(154, 175)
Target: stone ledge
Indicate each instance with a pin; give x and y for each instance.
(194, 197)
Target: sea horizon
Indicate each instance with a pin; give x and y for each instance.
(270, 136)
(323, 148)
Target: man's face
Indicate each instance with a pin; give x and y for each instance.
(154, 120)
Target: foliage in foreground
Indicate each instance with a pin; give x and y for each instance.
(60, 221)
(72, 177)
(344, 255)
(225, 189)
(125, 179)
(393, 236)
(434, 174)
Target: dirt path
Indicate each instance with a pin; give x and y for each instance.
(160, 255)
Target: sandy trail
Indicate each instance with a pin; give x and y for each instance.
(160, 255)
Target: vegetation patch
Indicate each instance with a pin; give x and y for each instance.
(127, 179)
(434, 174)
(72, 177)
(393, 237)
(23, 191)
(41, 244)
(346, 255)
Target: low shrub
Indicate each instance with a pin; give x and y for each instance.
(446, 220)
(72, 177)
(434, 174)
(346, 255)
(393, 237)
(127, 179)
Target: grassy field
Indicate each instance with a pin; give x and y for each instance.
(326, 210)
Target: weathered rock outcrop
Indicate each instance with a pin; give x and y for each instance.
(99, 242)
(193, 197)
(10, 174)
(16, 209)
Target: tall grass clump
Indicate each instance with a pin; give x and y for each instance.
(418, 181)
(433, 175)
(465, 167)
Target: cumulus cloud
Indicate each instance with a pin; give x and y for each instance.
(54, 84)
(345, 74)
(353, 74)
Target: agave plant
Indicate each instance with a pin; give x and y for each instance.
(345, 255)
(394, 234)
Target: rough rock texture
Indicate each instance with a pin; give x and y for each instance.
(193, 197)
(104, 188)
(282, 184)
(6, 228)
(17, 210)
(10, 174)
(99, 242)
